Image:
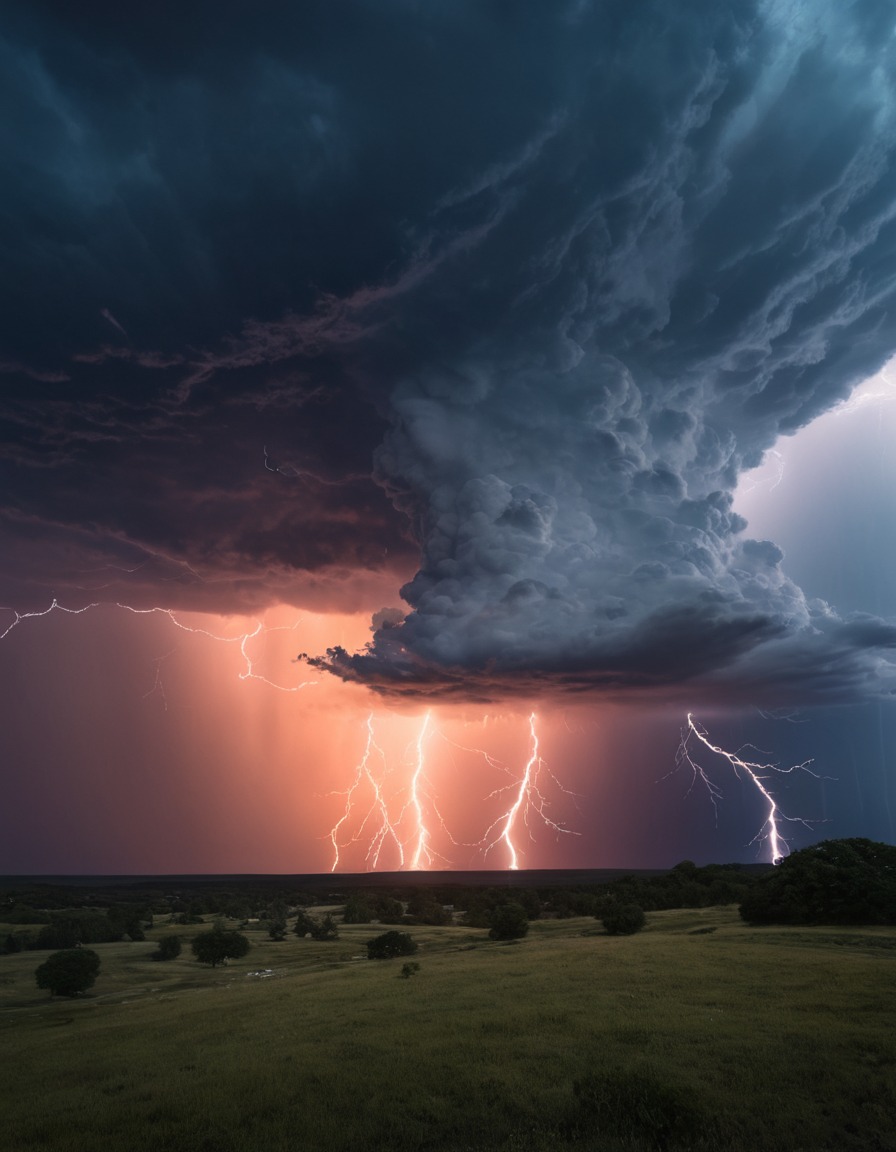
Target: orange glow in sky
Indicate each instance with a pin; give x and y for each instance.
(227, 755)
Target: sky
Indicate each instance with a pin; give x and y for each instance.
(412, 414)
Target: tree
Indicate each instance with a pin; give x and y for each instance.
(388, 910)
(216, 946)
(168, 949)
(357, 910)
(305, 924)
(69, 972)
(850, 881)
(327, 929)
(391, 944)
(277, 929)
(425, 909)
(508, 922)
(277, 914)
(623, 919)
(64, 937)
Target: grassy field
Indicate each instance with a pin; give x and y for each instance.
(698, 1033)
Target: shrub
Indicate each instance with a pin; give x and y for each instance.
(388, 910)
(624, 919)
(411, 968)
(64, 937)
(391, 944)
(508, 922)
(168, 949)
(215, 947)
(305, 925)
(69, 973)
(326, 929)
(357, 910)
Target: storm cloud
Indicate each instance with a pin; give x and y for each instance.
(506, 295)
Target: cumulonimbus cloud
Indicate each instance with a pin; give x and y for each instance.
(553, 303)
(657, 311)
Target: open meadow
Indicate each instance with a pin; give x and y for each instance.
(698, 1033)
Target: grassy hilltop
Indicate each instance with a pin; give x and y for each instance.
(698, 1033)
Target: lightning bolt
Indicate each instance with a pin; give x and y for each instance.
(386, 828)
(528, 798)
(412, 829)
(756, 773)
(421, 833)
(414, 848)
(55, 606)
(248, 672)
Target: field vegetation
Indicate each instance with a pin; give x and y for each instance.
(700, 1032)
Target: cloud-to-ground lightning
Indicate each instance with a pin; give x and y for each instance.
(757, 773)
(421, 832)
(378, 807)
(411, 797)
(527, 798)
(416, 808)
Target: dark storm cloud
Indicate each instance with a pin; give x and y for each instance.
(551, 275)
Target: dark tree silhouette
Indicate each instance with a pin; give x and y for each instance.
(623, 919)
(508, 922)
(327, 929)
(215, 947)
(389, 945)
(357, 910)
(168, 949)
(850, 881)
(305, 925)
(68, 973)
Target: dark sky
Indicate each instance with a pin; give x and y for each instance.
(467, 319)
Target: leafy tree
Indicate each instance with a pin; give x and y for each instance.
(217, 946)
(125, 920)
(851, 881)
(277, 914)
(69, 972)
(327, 929)
(425, 909)
(305, 925)
(529, 899)
(388, 910)
(168, 949)
(480, 904)
(509, 922)
(58, 936)
(623, 919)
(22, 941)
(411, 968)
(389, 945)
(187, 918)
(357, 910)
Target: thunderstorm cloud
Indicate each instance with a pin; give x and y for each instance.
(481, 309)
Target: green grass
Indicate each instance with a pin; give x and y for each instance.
(672, 1039)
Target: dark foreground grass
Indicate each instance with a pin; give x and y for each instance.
(677, 1038)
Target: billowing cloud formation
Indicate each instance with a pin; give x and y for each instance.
(551, 276)
(666, 318)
